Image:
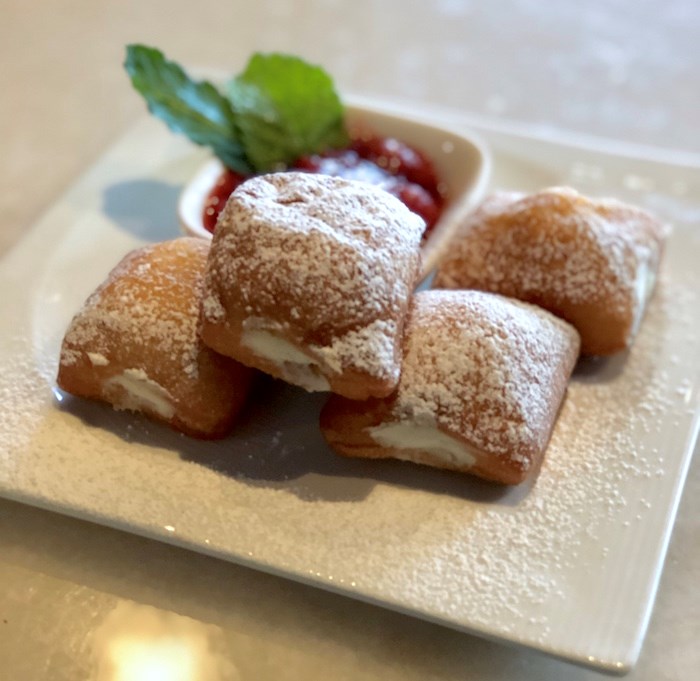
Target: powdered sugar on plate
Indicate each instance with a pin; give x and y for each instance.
(518, 562)
(568, 564)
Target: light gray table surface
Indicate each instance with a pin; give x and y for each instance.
(628, 71)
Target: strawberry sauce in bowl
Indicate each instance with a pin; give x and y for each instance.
(403, 171)
(439, 173)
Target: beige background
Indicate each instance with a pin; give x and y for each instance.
(629, 71)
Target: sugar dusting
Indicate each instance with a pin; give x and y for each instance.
(23, 393)
(598, 450)
(436, 544)
(489, 369)
(334, 261)
(504, 563)
(361, 347)
(577, 247)
(129, 306)
(561, 250)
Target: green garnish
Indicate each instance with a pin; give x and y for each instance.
(285, 108)
(196, 109)
(278, 109)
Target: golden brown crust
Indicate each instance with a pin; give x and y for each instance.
(584, 260)
(327, 265)
(488, 372)
(137, 335)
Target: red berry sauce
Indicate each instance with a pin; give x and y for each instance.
(216, 200)
(398, 168)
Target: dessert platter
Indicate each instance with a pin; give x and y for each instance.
(486, 424)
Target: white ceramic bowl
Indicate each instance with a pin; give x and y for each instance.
(461, 161)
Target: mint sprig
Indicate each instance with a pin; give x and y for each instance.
(278, 109)
(285, 108)
(196, 109)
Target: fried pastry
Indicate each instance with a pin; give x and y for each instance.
(482, 382)
(590, 262)
(135, 345)
(309, 279)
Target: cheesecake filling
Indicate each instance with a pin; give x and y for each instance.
(135, 391)
(294, 365)
(643, 288)
(408, 437)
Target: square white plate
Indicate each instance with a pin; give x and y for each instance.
(568, 564)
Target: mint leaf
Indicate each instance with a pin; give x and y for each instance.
(195, 109)
(285, 108)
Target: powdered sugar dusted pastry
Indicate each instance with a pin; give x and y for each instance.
(134, 344)
(309, 279)
(482, 382)
(591, 262)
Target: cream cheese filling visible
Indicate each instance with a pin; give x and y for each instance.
(97, 359)
(643, 288)
(408, 436)
(294, 365)
(137, 392)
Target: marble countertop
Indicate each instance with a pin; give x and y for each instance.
(625, 71)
